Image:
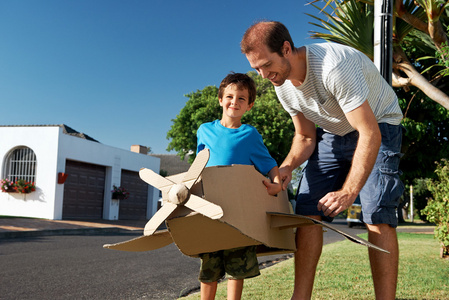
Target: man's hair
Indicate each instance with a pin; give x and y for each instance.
(242, 81)
(273, 34)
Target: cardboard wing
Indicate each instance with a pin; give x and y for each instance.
(250, 217)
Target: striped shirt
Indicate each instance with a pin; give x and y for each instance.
(339, 79)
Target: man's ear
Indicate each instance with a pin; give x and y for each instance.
(286, 48)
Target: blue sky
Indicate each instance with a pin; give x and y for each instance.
(118, 70)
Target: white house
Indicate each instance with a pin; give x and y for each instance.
(74, 175)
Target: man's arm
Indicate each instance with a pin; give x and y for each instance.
(363, 120)
(302, 147)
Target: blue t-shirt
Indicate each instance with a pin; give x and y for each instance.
(239, 146)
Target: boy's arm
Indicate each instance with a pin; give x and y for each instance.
(273, 187)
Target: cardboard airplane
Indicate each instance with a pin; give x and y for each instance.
(221, 207)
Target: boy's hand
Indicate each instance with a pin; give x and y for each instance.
(272, 188)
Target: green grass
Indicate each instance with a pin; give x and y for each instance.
(344, 273)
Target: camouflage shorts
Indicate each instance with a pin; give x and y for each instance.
(237, 263)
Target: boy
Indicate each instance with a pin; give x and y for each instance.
(231, 142)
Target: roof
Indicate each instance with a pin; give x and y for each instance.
(172, 163)
(65, 129)
(70, 131)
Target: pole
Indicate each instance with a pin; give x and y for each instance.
(383, 37)
(411, 203)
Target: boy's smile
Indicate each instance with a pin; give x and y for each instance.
(235, 104)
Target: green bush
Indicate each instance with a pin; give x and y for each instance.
(438, 206)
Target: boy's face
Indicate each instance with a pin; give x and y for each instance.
(235, 101)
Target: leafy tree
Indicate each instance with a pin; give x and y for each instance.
(267, 116)
(420, 65)
(201, 107)
(426, 122)
(420, 197)
(351, 23)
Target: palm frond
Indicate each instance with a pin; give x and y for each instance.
(350, 23)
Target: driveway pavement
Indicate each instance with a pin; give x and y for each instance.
(27, 227)
(11, 228)
(24, 227)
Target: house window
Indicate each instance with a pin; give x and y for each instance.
(21, 164)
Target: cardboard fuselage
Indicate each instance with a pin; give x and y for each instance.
(250, 217)
(240, 192)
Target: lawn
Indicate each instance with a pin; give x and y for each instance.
(344, 273)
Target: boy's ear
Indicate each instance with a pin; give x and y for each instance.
(250, 106)
(221, 101)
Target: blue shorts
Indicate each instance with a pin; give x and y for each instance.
(329, 165)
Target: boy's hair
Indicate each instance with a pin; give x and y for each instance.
(273, 34)
(242, 81)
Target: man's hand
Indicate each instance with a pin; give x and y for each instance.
(302, 148)
(335, 202)
(286, 177)
(272, 188)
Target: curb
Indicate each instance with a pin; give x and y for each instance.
(50, 232)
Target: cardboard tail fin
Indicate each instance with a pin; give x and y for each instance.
(284, 221)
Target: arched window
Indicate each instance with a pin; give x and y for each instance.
(21, 164)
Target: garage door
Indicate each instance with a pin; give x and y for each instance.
(83, 191)
(135, 207)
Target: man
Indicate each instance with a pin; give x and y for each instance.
(358, 117)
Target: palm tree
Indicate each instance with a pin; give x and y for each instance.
(422, 22)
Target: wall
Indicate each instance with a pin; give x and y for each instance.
(115, 160)
(44, 142)
(52, 148)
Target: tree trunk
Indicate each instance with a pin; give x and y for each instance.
(437, 33)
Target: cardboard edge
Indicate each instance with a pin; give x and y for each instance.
(143, 243)
(301, 222)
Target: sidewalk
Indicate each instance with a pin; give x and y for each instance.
(28, 227)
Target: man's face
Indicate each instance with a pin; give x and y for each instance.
(269, 65)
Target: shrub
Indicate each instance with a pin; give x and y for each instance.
(438, 206)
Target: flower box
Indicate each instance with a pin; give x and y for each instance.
(118, 197)
(20, 186)
(119, 193)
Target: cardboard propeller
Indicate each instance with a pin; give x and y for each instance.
(179, 194)
(228, 207)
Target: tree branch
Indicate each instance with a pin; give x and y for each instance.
(402, 13)
(416, 79)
